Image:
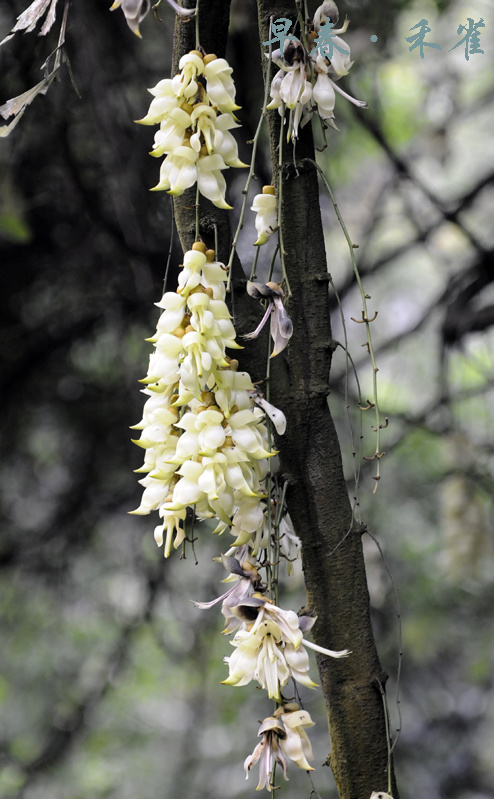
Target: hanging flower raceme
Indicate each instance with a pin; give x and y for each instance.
(305, 82)
(195, 113)
(204, 436)
(283, 738)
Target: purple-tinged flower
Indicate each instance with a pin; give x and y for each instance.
(134, 11)
(238, 595)
(283, 737)
(281, 324)
(267, 752)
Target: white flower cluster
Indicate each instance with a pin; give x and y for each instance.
(195, 122)
(294, 87)
(270, 649)
(205, 439)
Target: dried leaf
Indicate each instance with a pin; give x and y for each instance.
(50, 18)
(17, 105)
(29, 18)
(6, 129)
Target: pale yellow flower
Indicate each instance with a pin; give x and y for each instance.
(219, 83)
(266, 206)
(213, 456)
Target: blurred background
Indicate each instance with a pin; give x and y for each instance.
(109, 678)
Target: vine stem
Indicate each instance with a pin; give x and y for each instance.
(255, 141)
(378, 454)
(348, 361)
(388, 739)
(197, 25)
(400, 659)
(273, 260)
(302, 20)
(197, 213)
(254, 265)
(272, 559)
(280, 202)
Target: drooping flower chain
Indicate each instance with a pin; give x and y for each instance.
(205, 439)
(194, 111)
(206, 446)
(270, 649)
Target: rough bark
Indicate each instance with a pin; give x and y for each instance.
(310, 455)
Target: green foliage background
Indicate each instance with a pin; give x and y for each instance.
(110, 679)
